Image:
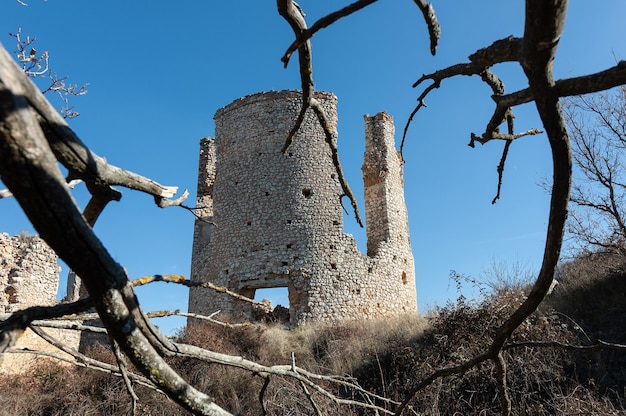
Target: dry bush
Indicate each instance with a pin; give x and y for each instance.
(323, 348)
(49, 389)
(591, 292)
(590, 297)
(541, 381)
(387, 357)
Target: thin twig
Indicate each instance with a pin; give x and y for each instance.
(294, 15)
(304, 389)
(262, 395)
(121, 363)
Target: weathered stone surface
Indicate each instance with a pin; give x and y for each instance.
(29, 272)
(275, 220)
(29, 276)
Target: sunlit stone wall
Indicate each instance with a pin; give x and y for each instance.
(29, 276)
(269, 219)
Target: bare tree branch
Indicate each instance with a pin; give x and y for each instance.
(30, 171)
(294, 15)
(600, 345)
(307, 33)
(82, 360)
(598, 133)
(121, 364)
(80, 161)
(505, 400)
(543, 26)
(304, 389)
(180, 279)
(504, 50)
(262, 395)
(13, 326)
(434, 30)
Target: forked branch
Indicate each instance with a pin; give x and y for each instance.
(71, 152)
(294, 15)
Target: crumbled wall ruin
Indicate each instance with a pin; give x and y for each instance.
(29, 276)
(29, 272)
(269, 219)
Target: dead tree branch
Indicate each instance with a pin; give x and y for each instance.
(13, 326)
(70, 151)
(434, 30)
(37, 66)
(307, 33)
(30, 171)
(304, 389)
(82, 360)
(600, 345)
(535, 52)
(121, 364)
(294, 15)
(180, 279)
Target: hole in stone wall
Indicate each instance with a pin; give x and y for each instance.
(333, 176)
(249, 222)
(404, 278)
(369, 269)
(335, 222)
(288, 222)
(290, 154)
(277, 295)
(333, 266)
(267, 194)
(11, 294)
(279, 298)
(307, 192)
(289, 245)
(284, 263)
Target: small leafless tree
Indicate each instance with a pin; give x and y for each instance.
(36, 65)
(597, 126)
(34, 139)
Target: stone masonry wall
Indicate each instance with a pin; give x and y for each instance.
(275, 220)
(29, 272)
(29, 276)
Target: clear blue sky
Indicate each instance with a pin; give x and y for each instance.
(158, 71)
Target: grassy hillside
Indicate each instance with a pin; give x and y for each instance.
(389, 358)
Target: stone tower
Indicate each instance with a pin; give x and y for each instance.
(275, 220)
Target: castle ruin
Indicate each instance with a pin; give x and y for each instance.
(268, 219)
(29, 276)
(29, 273)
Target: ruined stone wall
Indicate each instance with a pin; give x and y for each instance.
(275, 220)
(29, 272)
(29, 276)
